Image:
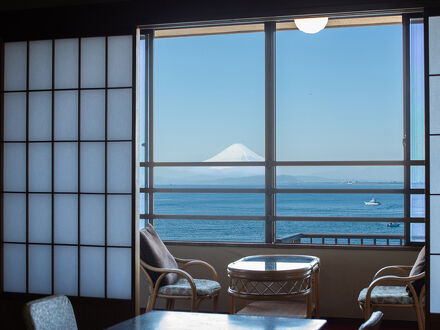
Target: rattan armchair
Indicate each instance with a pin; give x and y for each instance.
(186, 287)
(402, 294)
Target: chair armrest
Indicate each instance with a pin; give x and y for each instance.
(201, 263)
(404, 270)
(165, 271)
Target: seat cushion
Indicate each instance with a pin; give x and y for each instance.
(155, 253)
(387, 295)
(182, 288)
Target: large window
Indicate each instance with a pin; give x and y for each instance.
(262, 133)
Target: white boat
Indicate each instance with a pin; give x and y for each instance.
(372, 202)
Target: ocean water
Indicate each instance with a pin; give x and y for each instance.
(307, 205)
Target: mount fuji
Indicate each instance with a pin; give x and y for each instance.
(236, 152)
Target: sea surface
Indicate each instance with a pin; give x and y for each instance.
(301, 205)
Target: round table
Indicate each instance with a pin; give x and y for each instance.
(275, 278)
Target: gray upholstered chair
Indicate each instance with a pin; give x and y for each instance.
(167, 280)
(53, 312)
(373, 323)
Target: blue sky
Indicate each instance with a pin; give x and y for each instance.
(339, 94)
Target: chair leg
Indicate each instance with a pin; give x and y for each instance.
(194, 304)
(215, 304)
(420, 317)
(170, 304)
(151, 302)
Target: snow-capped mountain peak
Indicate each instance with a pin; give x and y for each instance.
(236, 152)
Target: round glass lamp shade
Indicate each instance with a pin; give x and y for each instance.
(311, 25)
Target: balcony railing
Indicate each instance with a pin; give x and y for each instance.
(344, 239)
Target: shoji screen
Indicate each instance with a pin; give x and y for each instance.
(68, 166)
(434, 164)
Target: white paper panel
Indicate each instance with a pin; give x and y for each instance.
(434, 45)
(15, 117)
(15, 65)
(66, 63)
(435, 223)
(119, 61)
(66, 115)
(92, 272)
(119, 220)
(435, 284)
(92, 219)
(434, 104)
(119, 167)
(40, 116)
(434, 152)
(14, 213)
(40, 167)
(93, 115)
(40, 269)
(14, 171)
(92, 62)
(66, 167)
(40, 64)
(40, 218)
(93, 167)
(14, 271)
(66, 270)
(119, 114)
(119, 273)
(66, 219)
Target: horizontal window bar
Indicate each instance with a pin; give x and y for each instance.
(350, 163)
(64, 89)
(202, 217)
(207, 164)
(202, 190)
(338, 191)
(70, 244)
(348, 219)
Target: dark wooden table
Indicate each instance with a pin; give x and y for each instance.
(209, 321)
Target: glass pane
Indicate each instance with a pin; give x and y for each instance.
(66, 270)
(119, 61)
(40, 269)
(209, 177)
(417, 177)
(142, 62)
(93, 115)
(66, 167)
(119, 114)
(119, 273)
(417, 89)
(417, 206)
(434, 105)
(119, 167)
(93, 167)
(434, 175)
(40, 64)
(434, 224)
(40, 218)
(66, 115)
(434, 263)
(325, 83)
(40, 167)
(209, 93)
(66, 63)
(119, 220)
(340, 205)
(14, 116)
(417, 232)
(340, 177)
(434, 45)
(14, 268)
(40, 116)
(92, 62)
(14, 170)
(92, 271)
(301, 232)
(92, 219)
(15, 65)
(66, 219)
(212, 204)
(14, 217)
(210, 230)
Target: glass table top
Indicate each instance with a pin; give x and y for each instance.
(274, 263)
